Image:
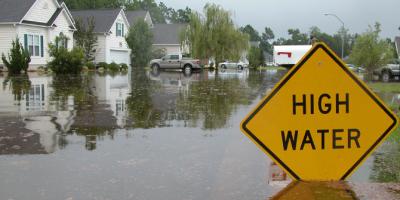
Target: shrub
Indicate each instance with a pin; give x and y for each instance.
(102, 65)
(158, 53)
(42, 69)
(90, 66)
(113, 67)
(124, 67)
(65, 61)
(18, 58)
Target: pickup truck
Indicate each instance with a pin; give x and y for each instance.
(175, 61)
(389, 72)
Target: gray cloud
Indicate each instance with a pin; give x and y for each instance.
(281, 15)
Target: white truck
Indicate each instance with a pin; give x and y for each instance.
(289, 55)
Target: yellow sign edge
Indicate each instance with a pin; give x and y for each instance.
(287, 77)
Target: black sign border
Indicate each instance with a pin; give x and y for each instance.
(287, 78)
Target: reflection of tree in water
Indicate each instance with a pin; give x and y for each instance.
(92, 120)
(386, 165)
(140, 105)
(19, 85)
(214, 101)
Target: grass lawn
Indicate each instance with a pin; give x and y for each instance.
(385, 87)
(270, 68)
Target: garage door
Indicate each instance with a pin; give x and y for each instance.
(120, 57)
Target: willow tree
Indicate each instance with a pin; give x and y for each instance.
(214, 35)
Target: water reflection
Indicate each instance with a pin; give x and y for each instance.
(131, 124)
(94, 106)
(30, 123)
(316, 190)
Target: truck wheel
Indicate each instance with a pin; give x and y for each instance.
(187, 69)
(155, 67)
(385, 77)
(223, 66)
(240, 67)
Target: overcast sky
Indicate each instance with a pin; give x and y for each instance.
(281, 15)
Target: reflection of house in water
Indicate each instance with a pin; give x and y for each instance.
(174, 86)
(113, 91)
(33, 122)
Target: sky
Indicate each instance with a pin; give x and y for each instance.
(281, 15)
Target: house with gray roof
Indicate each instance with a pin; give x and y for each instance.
(133, 16)
(111, 27)
(166, 36)
(36, 23)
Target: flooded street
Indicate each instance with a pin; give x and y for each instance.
(152, 135)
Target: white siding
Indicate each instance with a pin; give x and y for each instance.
(170, 48)
(117, 43)
(41, 11)
(42, 31)
(101, 49)
(7, 34)
(62, 26)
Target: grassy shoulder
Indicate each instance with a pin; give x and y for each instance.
(270, 68)
(385, 87)
(389, 88)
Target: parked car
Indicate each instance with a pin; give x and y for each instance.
(175, 61)
(271, 64)
(356, 69)
(389, 72)
(232, 65)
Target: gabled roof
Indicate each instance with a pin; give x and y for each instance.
(167, 33)
(133, 16)
(397, 43)
(103, 18)
(12, 11)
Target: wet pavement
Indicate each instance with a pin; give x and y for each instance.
(164, 135)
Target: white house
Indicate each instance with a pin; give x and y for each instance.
(166, 36)
(37, 23)
(111, 27)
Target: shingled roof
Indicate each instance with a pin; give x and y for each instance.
(133, 16)
(12, 11)
(103, 18)
(167, 33)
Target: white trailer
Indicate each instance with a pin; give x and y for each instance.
(289, 55)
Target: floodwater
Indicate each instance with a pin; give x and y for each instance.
(144, 135)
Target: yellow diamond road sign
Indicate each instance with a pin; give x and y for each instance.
(320, 121)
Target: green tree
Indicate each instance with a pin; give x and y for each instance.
(18, 58)
(296, 38)
(256, 57)
(253, 34)
(140, 40)
(85, 38)
(65, 61)
(370, 51)
(266, 40)
(214, 35)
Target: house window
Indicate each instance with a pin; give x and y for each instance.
(63, 41)
(34, 45)
(120, 29)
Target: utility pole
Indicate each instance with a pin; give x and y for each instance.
(343, 35)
